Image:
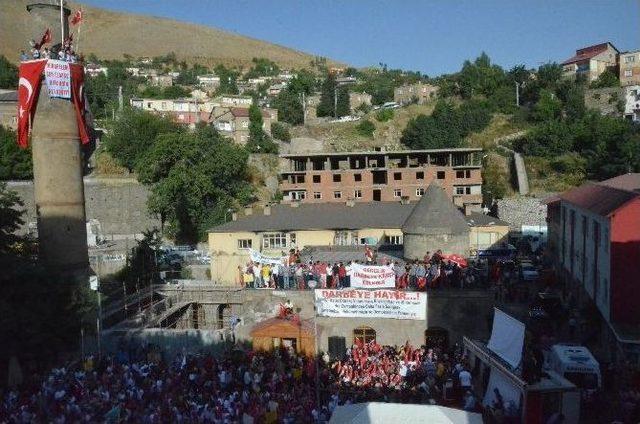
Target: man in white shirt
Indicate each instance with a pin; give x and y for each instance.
(465, 380)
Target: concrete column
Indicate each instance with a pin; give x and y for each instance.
(58, 186)
(46, 14)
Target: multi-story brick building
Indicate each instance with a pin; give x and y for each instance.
(630, 68)
(382, 176)
(591, 61)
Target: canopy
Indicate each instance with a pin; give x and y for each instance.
(385, 413)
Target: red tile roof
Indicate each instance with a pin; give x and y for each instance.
(587, 53)
(629, 182)
(598, 198)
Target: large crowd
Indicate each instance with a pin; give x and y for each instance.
(433, 271)
(38, 50)
(240, 386)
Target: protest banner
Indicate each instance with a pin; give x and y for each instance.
(57, 75)
(372, 277)
(395, 304)
(262, 259)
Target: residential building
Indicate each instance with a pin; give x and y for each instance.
(419, 93)
(187, 111)
(275, 89)
(9, 109)
(397, 229)
(234, 122)
(382, 176)
(356, 100)
(209, 81)
(230, 100)
(346, 80)
(630, 68)
(93, 70)
(632, 103)
(162, 80)
(596, 233)
(591, 61)
(133, 70)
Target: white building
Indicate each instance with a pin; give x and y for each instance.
(208, 80)
(632, 103)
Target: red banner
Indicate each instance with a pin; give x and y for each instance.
(29, 91)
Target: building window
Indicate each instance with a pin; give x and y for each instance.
(440, 175)
(337, 178)
(467, 190)
(467, 173)
(393, 240)
(397, 176)
(397, 193)
(357, 194)
(317, 195)
(357, 177)
(341, 238)
(420, 175)
(274, 241)
(298, 195)
(459, 174)
(459, 190)
(420, 192)
(364, 335)
(628, 72)
(629, 59)
(316, 179)
(245, 124)
(337, 195)
(244, 244)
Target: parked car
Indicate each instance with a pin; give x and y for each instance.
(528, 272)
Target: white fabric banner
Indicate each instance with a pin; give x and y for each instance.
(372, 277)
(508, 390)
(507, 338)
(260, 258)
(395, 304)
(57, 76)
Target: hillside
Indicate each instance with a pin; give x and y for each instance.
(111, 34)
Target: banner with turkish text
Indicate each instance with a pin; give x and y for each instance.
(372, 276)
(394, 304)
(28, 93)
(57, 76)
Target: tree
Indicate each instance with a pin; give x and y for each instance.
(366, 128)
(303, 82)
(326, 107)
(259, 140)
(133, 133)
(606, 79)
(15, 163)
(548, 108)
(384, 115)
(262, 67)
(280, 131)
(289, 107)
(494, 184)
(10, 220)
(193, 189)
(343, 102)
(228, 80)
(8, 74)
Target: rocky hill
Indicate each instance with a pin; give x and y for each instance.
(111, 34)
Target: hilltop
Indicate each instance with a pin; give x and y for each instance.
(110, 34)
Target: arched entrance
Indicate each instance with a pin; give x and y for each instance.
(224, 315)
(436, 338)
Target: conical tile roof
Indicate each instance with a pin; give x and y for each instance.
(435, 214)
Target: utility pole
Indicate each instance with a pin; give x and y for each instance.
(517, 94)
(120, 99)
(335, 102)
(304, 110)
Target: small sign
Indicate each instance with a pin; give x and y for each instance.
(93, 282)
(57, 74)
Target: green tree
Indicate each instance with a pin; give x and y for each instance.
(8, 74)
(280, 131)
(548, 108)
(289, 107)
(303, 82)
(326, 107)
(494, 182)
(133, 133)
(366, 128)
(15, 163)
(259, 140)
(384, 115)
(228, 80)
(262, 67)
(343, 103)
(606, 79)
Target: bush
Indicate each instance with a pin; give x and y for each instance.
(569, 164)
(366, 128)
(280, 131)
(384, 115)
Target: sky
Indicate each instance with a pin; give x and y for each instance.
(430, 36)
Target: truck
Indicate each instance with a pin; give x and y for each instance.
(576, 364)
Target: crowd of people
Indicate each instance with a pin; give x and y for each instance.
(240, 386)
(38, 50)
(433, 271)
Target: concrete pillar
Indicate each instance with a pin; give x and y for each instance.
(46, 14)
(58, 186)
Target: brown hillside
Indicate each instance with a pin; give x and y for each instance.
(111, 34)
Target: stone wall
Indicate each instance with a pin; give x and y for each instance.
(119, 205)
(416, 245)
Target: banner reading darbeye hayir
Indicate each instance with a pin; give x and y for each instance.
(395, 304)
(59, 75)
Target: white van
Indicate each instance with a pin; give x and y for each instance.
(576, 364)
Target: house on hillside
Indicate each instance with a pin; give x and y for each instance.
(93, 70)
(630, 68)
(231, 100)
(356, 100)
(209, 81)
(595, 232)
(592, 61)
(632, 103)
(234, 122)
(419, 93)
(162, 80)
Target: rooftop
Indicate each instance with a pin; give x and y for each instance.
(629, 182)
(599, 198)
(586, 53)
(435, 214)
(395, 152)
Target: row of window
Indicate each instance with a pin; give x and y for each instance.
(341, 238)
(397, 176)
(357, 193)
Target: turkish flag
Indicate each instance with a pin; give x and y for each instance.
(77, 17)
(46, 38)
(79, 100)
(462, 262)
(28, 91)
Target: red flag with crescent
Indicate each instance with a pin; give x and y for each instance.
(78, 97)
(28, 91)
(77, 17)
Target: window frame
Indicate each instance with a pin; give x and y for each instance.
(241, 242)
(397, 192)
(337, 194)
(420, 191)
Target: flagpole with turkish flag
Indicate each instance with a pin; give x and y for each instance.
(77, 19)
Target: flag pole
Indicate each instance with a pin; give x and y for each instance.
(77, 49)
(62, 24)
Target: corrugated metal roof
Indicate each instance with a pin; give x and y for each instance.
(629, 182)
(598, 198)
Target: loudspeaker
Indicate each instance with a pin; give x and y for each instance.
(337, 347)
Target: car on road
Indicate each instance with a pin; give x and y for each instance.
(528, 272)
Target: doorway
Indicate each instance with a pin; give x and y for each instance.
(436, 338)
(377, 195)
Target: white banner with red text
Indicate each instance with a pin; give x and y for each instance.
(372, 277)
(395, 304)
(57, 75)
